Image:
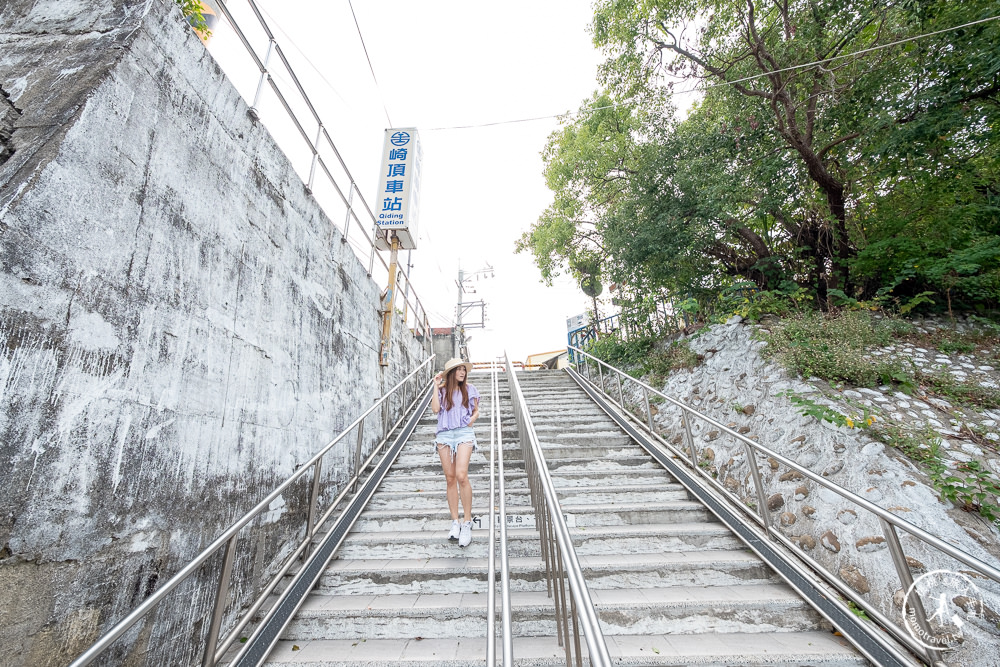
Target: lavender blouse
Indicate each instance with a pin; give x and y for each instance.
(459, 415)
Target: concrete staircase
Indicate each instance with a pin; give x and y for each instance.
(672, 586)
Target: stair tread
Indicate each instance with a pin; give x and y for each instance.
(320, 602)
(814, 647)
(610, 562)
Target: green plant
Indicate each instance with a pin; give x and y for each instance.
(619, 351)
(191, 9)
(970, 486)
(951, 346)
(857, 611)
(811, 408)
(677, 356)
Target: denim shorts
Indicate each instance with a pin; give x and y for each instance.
(456, 436)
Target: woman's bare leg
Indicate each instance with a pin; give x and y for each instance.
(448, 466)
(461, 472)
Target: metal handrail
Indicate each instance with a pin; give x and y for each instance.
(491, 590)
(421, 322)
(498, 515)
(561, 563)
(505, 626)
(229, 537)
(888, 521)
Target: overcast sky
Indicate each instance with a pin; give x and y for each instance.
(439, 65)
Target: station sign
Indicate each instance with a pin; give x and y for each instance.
(397, 201)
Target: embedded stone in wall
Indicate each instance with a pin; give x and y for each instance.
(806, 542)
(833, 468)
(870, 544)
(853, 578)
(847, 517)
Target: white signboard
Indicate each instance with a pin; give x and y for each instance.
(397, 202)
(576, 322)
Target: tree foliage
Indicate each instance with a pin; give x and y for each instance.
(833, 146)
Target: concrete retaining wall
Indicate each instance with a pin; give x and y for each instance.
(180, 327)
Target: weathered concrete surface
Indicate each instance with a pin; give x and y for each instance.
(177, 331)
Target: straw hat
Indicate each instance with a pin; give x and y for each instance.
(455, 363)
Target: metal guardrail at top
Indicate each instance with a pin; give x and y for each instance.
(561, 564)
(889, 522)
(498, 515)
(214, 650)
(316, 145)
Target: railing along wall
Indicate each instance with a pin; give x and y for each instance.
(565, 584)
(375, 419)
(289, 111)
(891, 524)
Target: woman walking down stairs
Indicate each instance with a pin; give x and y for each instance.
(671, 584)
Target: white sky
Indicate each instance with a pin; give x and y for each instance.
(442, 64)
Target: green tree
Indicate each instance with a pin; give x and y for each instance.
(822, 153)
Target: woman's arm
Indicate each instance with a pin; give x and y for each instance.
(436, 397)
(475, 412)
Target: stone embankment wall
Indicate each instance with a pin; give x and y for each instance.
(736, 386)
(181, 327)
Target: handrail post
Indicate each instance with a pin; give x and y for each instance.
(371, 257)
(689, 439)
(357, 455)
(649, 412)
(350, 209)
(315, 152)
(621, 394)
(906, 579)
(313, 497)
(221, 598)
(263, 77)
(764, 512)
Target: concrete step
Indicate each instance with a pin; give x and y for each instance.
(461, 574)
(400, 482)
(677, 611)
(649, 538)
(430, 498)
(435, 516)
(787, 649)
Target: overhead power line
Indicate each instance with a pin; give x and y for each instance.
(372, 69)
(697, 89)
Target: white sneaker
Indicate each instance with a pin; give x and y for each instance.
(466, 537)
(456, 527)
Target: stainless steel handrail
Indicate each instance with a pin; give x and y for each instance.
(888, 521)
(560, 558)
(506, 629)
(491, 590)
(498, 515)
(421, 322)
(229, 538)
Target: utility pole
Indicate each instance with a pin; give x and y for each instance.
(460, 341)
